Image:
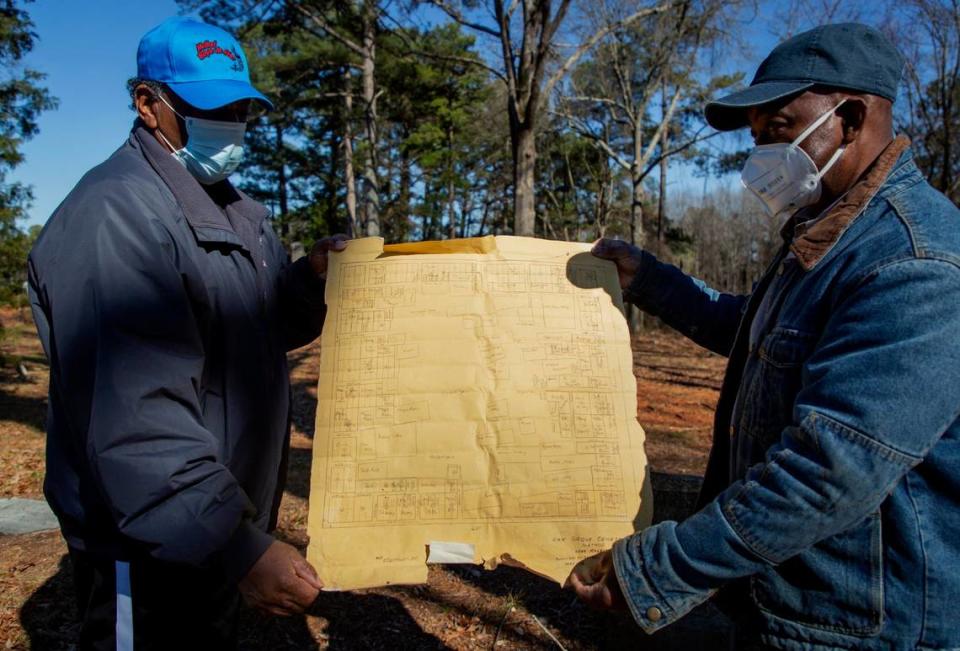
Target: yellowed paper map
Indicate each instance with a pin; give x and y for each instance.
(476, 403)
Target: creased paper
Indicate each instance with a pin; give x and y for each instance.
(478, 391)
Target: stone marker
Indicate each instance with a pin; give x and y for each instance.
(18, 515)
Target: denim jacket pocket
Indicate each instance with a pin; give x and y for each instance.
(836, 585)
(772, 384)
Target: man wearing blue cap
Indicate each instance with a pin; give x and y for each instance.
(166, 305)
(829, 513)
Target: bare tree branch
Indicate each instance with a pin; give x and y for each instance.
(322, 23)
(598, 140)
(655, 138)
(411, 48)
(457, 16)
(681, 148)
(587, 45)
(503, 20)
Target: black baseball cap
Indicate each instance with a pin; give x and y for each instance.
(850, 56)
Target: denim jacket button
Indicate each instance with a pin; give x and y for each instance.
(654, 614)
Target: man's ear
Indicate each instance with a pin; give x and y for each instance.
(853, 115)
(145, 103)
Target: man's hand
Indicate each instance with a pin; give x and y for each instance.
(626, 256)
(281, 582)
(595, 582)
(318, 254)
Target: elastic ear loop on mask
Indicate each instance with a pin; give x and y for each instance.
(173, 149)
(803, 135)
(816, 124)
(833, 159)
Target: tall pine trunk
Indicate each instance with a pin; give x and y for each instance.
(451, 187)
(637, 234)
(524, 167)
(664, 136)
(371, 200)
(348, 173)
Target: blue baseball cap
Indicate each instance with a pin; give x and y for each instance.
(204, 65)
(850, 56)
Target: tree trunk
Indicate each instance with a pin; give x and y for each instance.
(636, 185)
(451, 211)
(466, 209)
(404, 199)
(525, 160)
(451, 199)
(348, 173)
(637, 236)
(525, 75)
(634, 314)
(331, 211)
(371, 202)
(281, 174)
(661, 200)
(483, 218)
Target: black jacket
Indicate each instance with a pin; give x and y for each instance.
(166, 311)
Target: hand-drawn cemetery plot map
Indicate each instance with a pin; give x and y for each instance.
(482, 396)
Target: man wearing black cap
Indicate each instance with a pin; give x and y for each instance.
(829, 512)
(166, 304)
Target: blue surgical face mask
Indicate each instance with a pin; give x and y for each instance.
(214, 148)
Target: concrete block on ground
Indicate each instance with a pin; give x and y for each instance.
(19, 515)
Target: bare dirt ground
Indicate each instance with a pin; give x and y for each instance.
(459, 608)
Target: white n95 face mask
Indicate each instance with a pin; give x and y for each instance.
(783, 176)
(214, 148)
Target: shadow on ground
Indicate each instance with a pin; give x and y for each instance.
(26, 410)
(387, 618)
(703, 628)
(49, 615)
(371, 621)
(355, 621)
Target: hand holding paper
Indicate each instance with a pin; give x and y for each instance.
(478, 392)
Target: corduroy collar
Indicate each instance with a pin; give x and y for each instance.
(812, 240)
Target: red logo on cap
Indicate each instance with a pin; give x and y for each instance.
(206, 49)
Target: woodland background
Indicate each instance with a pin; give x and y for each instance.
(561, 119)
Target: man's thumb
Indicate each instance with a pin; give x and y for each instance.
(611, 249)
(306, 572)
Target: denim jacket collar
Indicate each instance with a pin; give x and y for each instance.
(811, 244)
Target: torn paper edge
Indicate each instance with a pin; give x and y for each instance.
(451, 552)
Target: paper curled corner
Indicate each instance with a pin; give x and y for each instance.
(480, 245)
(451, 552)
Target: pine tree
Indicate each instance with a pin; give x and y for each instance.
(22, 99)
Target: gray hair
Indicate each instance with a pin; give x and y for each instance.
(155, 87)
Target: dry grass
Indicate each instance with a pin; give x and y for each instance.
(459, 608)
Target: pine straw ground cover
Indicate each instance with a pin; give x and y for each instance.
(459, 608)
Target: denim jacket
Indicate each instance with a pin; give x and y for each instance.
(832, 495)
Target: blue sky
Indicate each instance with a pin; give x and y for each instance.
(88, 51)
